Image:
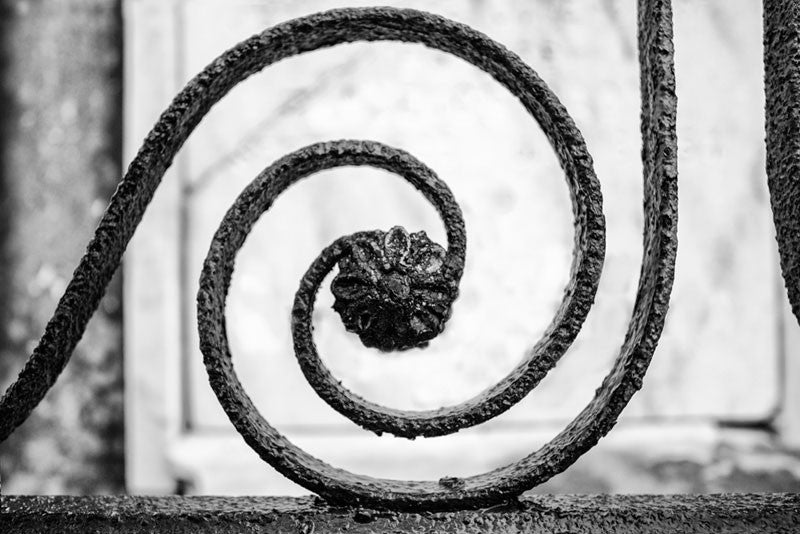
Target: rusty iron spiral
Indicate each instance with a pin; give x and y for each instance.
(412, 263)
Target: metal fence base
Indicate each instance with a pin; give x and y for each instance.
(645, 514)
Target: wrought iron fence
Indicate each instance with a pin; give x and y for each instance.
(395, 289)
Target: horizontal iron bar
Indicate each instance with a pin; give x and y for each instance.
(647, 514)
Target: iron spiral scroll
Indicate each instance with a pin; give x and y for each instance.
(412, 281)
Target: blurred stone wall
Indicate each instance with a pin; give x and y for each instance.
(60, 153)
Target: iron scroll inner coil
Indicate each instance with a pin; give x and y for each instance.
(375, 417)
(659, 156)
(348, 25)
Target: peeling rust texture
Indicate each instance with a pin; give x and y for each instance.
(393, 290)
(218, 270)
(586, 514)
(782, 84)
(138, 186)
(498, 487)
(294, 37)
(504, 484)
(589, 250)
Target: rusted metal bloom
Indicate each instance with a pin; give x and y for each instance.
(393, 291)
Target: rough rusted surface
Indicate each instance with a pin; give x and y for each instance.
(782, 81)
(326, 29)
(338, 485)
(586, 514)
(505, 483)
(190, 106)
(392, 291)
(354, 252)
(239, 220)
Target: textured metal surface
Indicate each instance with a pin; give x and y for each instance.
(392, 291)
(176, 123)
(336, 484)
(586, 514)
(339, 26)
(214, 285)
(660, 209)
(578, 296)
(782, 83)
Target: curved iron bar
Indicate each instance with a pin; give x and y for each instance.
(579, 294)
(258, 197)
(782, 83)
(506, 482)
(326, 29)
(578, 297)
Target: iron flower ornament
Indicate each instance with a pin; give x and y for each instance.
(392, 290)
